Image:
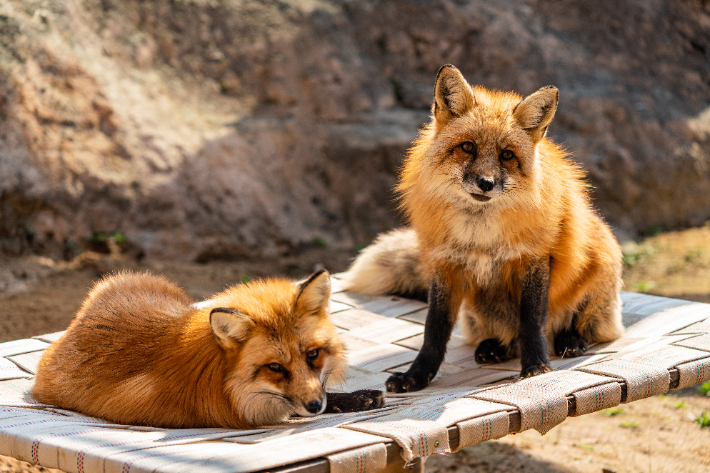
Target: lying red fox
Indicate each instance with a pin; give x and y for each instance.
(139, 353)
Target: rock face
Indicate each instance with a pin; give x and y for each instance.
(206, 128)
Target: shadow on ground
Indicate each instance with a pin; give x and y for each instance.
(491, 457)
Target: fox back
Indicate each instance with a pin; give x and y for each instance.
(138, 353)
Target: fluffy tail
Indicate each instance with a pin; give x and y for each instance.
(391, 265)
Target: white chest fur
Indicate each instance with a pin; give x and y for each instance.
(477, 243)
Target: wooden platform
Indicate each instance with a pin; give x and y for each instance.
(667, 345)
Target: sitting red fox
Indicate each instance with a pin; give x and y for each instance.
(502, 231)
(139, 353)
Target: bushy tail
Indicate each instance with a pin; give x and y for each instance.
(391, 265)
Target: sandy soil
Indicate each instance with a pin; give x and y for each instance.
(652, 435)
(672, 264)
(53, 292)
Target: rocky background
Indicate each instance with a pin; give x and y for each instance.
(204, 129)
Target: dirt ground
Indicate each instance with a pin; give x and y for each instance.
(653, 435)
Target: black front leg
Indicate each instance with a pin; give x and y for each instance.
(437, 330)
(533, 317)
(363, 400)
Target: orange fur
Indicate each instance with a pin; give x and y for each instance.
(484, 249)
(137, 352)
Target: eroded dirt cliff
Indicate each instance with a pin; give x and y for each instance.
(208, 129)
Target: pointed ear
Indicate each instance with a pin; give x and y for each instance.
(314, 293)
(535, 112)
(452, 94)
(230, 327)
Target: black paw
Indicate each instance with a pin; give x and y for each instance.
(535, 370)
(408, 382)
(363, 400)
(491, 351)
(569, 344)
(370, 399)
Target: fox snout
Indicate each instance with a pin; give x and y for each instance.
(485, 183)
(312, 405)
(481, 187)
(315, 406)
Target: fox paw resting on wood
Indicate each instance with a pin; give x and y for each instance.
(138, 352)
(502, 234)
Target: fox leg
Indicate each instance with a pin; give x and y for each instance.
(600, 319)
(569, 343)
(533, 317)
(489, 321)
(444, 302)
(491, 350)
(362, 400)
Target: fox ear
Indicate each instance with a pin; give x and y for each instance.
(452, 94)
(229, 326)
(314, 293)
(535, 112)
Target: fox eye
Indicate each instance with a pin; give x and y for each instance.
(313, 354)
(507, 155)
(276, 368)
(467, 146)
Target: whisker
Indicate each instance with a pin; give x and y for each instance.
(276, 407)
(326, 375)
(275, 394)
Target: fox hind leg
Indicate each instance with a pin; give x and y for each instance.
(491, 350)
(569, 343)
(599, 320)
(599, 317)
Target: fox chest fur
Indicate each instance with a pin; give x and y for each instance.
(488, 248)
(505, 233)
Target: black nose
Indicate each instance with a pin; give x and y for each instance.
(485, 184)
(313, 407)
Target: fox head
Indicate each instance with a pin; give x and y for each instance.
(281, 347)
(481, 144)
